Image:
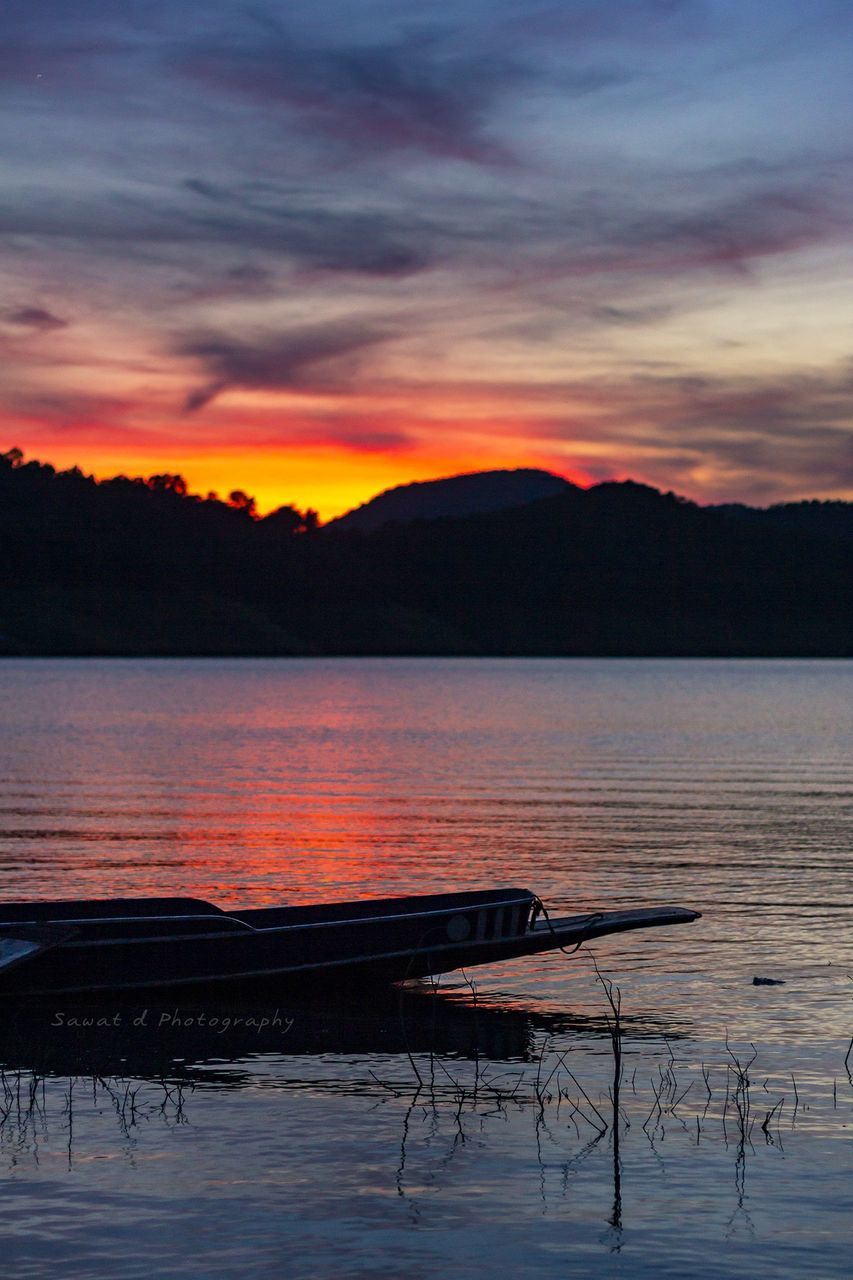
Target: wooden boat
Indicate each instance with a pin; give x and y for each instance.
(130, 944)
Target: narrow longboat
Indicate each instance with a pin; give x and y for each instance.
(127, 944)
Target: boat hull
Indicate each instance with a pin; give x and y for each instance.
(390, 940)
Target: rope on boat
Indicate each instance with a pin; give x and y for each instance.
(539, 908)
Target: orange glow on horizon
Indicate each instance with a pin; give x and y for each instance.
(330, 479)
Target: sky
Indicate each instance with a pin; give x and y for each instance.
(313, 250)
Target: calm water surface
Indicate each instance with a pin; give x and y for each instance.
(472, 1130)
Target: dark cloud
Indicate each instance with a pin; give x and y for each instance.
(245, 280)
(630, 230)
(807, 406)
(618, 231)
(630, 317)
(416, 93)
(730, 233)
(645, 229)
(270, 220)
(752, 437)
(34, 318)
(325, 239)
(313, 358)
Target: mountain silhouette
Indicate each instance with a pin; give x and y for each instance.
(463, 495)
(142, 567)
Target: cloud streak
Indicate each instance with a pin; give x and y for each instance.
(34, 318)
(317, 359)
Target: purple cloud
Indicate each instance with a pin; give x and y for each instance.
(35, 318)
(301, 359)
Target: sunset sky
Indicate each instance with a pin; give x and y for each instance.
(312, 250)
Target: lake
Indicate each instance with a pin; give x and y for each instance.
(474, 1129)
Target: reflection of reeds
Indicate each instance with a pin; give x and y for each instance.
(554, 1089)
(24, 1117)
(613, 996)
(724, 1104)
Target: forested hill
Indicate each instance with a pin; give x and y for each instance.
(464, 495)
(141, 567)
